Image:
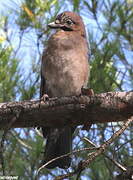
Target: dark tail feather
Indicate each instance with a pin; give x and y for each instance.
(59, 142)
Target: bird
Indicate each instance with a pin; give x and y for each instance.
(64, 71)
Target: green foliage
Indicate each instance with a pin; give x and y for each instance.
(9, 75)
(33, 13)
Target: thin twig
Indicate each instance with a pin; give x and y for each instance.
(100, 150)
(112, 160)
(65, 155)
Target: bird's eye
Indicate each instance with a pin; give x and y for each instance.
(57, 21)
(69, 21)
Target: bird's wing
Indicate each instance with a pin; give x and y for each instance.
(42, 86)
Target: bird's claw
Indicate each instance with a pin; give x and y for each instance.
(87, 91)
(45, 98)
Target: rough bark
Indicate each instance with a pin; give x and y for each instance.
(57, 112)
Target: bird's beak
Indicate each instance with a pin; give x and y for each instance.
(54, 25)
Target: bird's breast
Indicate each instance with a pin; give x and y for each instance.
(65, 68)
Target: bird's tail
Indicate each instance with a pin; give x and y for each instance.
(59, 142)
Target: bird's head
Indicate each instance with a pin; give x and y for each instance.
(69, 21)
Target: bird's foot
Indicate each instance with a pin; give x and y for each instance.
(87, 91)
(44, 98)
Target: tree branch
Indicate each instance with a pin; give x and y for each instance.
(72, 111)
